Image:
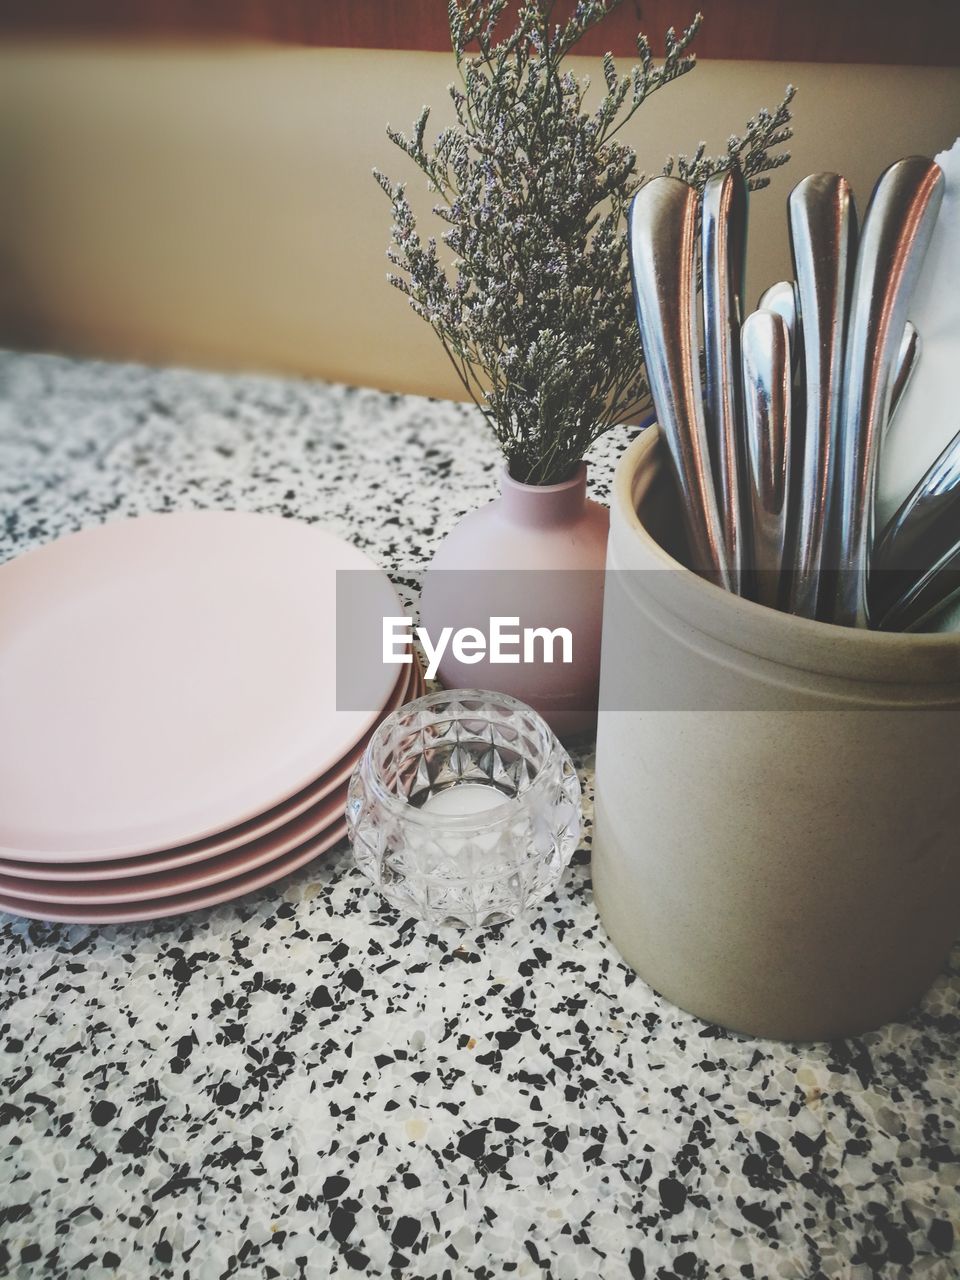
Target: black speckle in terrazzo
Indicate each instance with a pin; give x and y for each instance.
(303, 1083)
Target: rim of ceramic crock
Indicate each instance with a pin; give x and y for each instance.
(853, 639)
(485, 818)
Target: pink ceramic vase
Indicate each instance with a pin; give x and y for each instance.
(536, 554)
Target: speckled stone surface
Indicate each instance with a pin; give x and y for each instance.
(303, 1084)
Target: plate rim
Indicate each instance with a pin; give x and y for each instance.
(213, 896)
(200, 871)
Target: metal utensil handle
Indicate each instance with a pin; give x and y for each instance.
(782, 298)
(823, 230)
(767, 405)
(724, 243)
(908, 354)
(927, 596)
(662, 228)
(896, 232)
(936, 494)
(923, 529)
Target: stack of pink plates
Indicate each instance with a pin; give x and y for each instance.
(169, 730)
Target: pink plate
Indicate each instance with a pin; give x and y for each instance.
(165, 678)
(163, 884)
(279, 830)
(157, 908)
(131, 874)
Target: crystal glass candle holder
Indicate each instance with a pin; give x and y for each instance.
(465, 809)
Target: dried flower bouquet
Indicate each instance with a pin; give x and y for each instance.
(531, 296)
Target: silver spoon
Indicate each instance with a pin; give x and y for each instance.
(823, 234)
(662, 231)
(896, 232)
(724, 240)
(766, 396)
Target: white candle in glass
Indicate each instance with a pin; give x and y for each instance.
(467, 797)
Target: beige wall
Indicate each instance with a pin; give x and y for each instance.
(214, 206)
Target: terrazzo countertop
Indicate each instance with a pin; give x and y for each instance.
(304, 1084)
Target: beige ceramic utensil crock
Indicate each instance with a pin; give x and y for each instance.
(778, 800)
